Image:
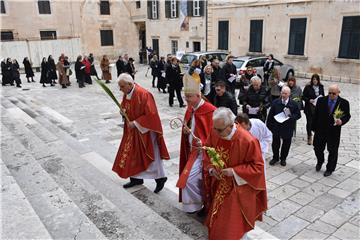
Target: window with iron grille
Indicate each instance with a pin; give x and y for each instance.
(138, 4)
(3, 10)
(104, 7)
(44, 7)
(106, 37)
(297, 36)
(350, 38)
(48, 35)
(256, 29)
(7, 36)
(174, 46)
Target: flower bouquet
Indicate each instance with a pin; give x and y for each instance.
(215, 157)
(338, 113)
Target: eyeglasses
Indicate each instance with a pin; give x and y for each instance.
(332, 93)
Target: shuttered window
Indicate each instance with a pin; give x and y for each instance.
(44, 7)
(350, 38)
(297, 36)
(256, 29)
(223, 37)
(195, 8)
(106, 37)
(138, 4)
(171, 8)
(7, 36)
(48, 35)
(104, 8)
(153, 9)
(174, 47)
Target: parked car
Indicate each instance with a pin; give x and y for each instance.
(188, 58)
(257, 63)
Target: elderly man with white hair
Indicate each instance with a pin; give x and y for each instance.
(236, 193)
(142, 146)
(281, 121)
(255, 100)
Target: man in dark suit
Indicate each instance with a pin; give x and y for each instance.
(327, 127)
(282, 129)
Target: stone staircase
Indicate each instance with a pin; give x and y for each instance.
(57, 185)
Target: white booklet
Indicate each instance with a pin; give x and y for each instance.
(254, 110)
(316, 99)
(231, 79)
(281, 117)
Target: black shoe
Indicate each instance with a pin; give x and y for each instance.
(283, 163)
(182, 106)
(64, 86)
(160, 182)
(52, 84)
(164, 91)
(107, 81)
(318, 167)
(201, 213)
(171, 105)
(33, 81)
(327, 173)
(11, 84)
(28, 81)
(273, 161)
(18, 86)
(44, 85)
(133, 182)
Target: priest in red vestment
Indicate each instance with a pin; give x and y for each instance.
(142, 146)
(235, 194)
(198, 124)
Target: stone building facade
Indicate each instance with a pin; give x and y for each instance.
(312, 35)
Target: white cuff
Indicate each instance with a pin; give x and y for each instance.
(140, 128)
(239, 181)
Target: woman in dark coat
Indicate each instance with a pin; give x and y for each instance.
(154, 64)
(6, 72)
(311, 92)
(44, 78)
(80, 71)
(52, 69)
(15, 70)
(230, 74)
(161, 84)
(28, 70)
(130, 68)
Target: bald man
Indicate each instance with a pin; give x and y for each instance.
(282, 130)
(327, 127)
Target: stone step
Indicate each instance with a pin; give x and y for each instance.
(17, 211)
(130, 206)
(58, 213)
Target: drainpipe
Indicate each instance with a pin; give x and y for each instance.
(206, 25)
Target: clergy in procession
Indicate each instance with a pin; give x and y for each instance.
(142, 146)
(197, 126)
(235, 192)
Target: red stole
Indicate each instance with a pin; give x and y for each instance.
(136, 151)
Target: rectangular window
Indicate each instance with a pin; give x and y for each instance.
(173, 10)
(297, 36)
(138, 4)
(154, 13)
(3, 10)
(7, 36)
(48, 35)
(223, 37)
(174, 46)
(196, 8)
(106, 37)
(155, 46)
(104, 7)
(44, 7)
(256, 29)
(350, 38)
(196, 46)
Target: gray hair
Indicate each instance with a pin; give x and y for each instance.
(224, 113)
(285, 88)
(125, 77)
(255, 79)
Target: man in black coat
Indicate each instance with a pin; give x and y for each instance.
(229, 70)
(120, 66)
(282, 130)
(327, 124)
(224, 98)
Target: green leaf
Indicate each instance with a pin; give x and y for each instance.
(108, 91)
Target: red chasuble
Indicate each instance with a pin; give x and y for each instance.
(233, 209)
(203, 126)
(136, 150)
